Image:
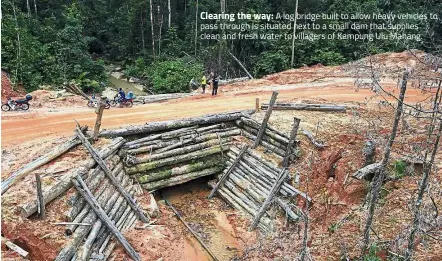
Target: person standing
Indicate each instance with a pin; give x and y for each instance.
(215, 85)
(203, 83)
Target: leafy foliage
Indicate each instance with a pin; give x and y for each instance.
(173, 76)
(371, 256)
(271, 62)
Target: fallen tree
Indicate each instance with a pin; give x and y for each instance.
(307, 107)
(174, 124)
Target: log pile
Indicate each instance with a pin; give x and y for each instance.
(94, 240)
(175, 156)
(272, 139)
(250, 184)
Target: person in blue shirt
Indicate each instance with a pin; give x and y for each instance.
(121, 94)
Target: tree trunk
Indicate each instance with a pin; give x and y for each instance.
(42, 160)
(380, 176)
(170, 14)
(240, 64)
(294, 35)
(152, 29)
(196, 27)
(174, 124)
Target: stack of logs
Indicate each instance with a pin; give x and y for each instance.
(248, 184)
(272, 140)
(103, 207)
(176, 156)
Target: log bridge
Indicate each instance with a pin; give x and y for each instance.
(162, 154)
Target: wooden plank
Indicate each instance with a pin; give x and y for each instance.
(263, 127)
(223, 178)
(290, 146)
(87, 195)
(273, 191)
(99, 112)
(111, 177)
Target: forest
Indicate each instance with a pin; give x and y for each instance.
(49, 42)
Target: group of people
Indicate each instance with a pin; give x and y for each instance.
(213, 80)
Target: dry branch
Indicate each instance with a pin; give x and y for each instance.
(307, 107)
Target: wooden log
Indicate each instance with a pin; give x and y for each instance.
(40, 198)
(313, 140)
(99, 112)
(181, 151)
(258, 157)
(307, 107)
(202, 138)
(265, 137)
(180, 170)
(273, 192)
(142, 140)
(165, 125)
(141, 147)
(108, 173)
(58, 189)
(290, 150)
(211, 127)
(95, 205)
(77, 238)
(97, 178)
(265, 120)
(257, 104)
(279, 152)
(40, 161)
(140, 168)
(179, 132)
(286, 207)
(15, 248)
(84, 251)
(105, 186)
(272, 133)
(229, 198)
(95, 175)
(367, 172)
(181, 179)
(223, 178)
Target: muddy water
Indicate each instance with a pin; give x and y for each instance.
(126, 86)
(210, 223)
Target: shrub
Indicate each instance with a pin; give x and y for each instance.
(399, 168)
(173, 76)
(271, 62)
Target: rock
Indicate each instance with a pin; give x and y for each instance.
(118, 69)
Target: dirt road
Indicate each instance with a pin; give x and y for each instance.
(25, 126)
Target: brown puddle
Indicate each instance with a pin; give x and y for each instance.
(206, 219)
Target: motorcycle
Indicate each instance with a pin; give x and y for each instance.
(22, 104)
(122, 102)
(128, 101)
(93, 103)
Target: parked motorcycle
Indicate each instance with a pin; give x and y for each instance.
(22, 104)
(93, 103)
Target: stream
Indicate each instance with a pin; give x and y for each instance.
(117, 82)
(210, 223)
